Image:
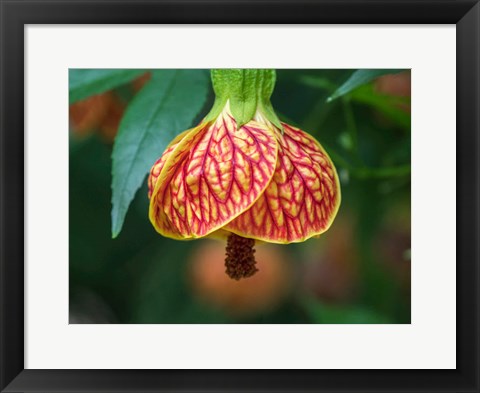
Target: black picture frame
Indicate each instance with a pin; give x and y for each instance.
(16, 14)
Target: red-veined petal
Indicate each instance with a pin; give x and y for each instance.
(302, 199)
(158, 166)
(213, 175)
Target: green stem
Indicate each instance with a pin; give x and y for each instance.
(383, 173)
(352, 129)
(247, 91)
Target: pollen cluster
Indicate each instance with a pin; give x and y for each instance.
(240, 259)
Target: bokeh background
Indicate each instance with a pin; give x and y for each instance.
(357, 272)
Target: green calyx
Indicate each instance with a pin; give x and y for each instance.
(247, 91)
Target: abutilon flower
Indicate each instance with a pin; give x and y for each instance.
(244, 175)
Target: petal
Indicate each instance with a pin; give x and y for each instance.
(212, 176)
(158, 166)
(302, 199)
(156, 214)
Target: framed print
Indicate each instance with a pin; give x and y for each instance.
(239, 196)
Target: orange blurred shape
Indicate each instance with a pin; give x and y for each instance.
(332, 274)
(249, 296)
(111, 122)
(399, 85)
(100, 113)
(87, 115)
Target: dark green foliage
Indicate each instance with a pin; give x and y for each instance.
(83, 83)
(141, 277)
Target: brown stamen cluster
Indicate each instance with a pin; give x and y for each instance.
(240, 260)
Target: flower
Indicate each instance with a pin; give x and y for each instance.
(252, 178)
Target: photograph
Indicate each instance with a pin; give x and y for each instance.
(259, 196)
(228, 196)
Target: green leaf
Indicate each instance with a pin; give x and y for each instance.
(163, 109)
(83, 83)
(357, 79)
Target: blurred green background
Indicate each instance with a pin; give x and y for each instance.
(357, 272)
